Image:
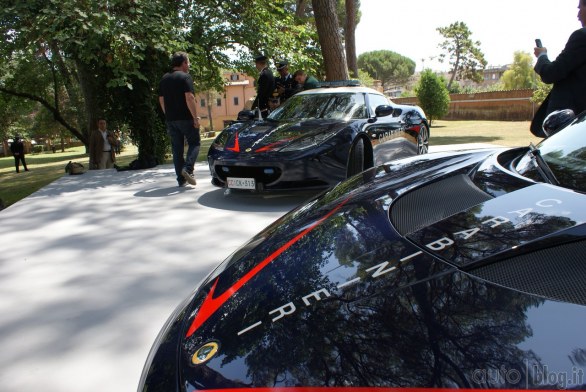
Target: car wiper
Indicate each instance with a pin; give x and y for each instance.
(542, 166)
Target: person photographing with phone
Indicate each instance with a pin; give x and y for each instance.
(567, 73)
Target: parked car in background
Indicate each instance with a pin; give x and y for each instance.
(316, 139)
(451, 270)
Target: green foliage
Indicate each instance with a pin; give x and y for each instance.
(229, 34)
(433, 95)
(389, 67)
(86, 59)
(13, 118)
(541, 92)
(455, 88)
(365, 78)
(465, 58)
(520, 75)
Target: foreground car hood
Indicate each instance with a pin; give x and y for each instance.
(496, 226)
(268, 135)
(350, 290)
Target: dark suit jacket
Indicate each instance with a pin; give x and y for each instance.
(265, 88)
(568, 75)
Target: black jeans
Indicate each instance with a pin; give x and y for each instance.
(17, 160)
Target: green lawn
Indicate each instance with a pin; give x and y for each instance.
(504, 133)
(47, 167)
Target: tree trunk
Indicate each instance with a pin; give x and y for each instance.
(300, 9)
(455, 71)
(330, 40)
(350, 38)
(147, 128)
(209, 97)
(87, 82)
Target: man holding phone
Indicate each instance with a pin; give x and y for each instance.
(567, 73)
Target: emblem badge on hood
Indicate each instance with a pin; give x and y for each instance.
(205, 353)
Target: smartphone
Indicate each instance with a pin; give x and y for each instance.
(538, 43)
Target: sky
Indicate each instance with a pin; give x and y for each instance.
(408, 27)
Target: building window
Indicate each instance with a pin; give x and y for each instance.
(234, 77)
(202, 103)
(218, 102)
(236, 102)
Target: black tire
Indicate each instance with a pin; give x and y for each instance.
(356, 161)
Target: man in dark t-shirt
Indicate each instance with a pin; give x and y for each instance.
(177, 100)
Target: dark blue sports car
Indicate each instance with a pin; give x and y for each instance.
(445, 271)
(316, 139)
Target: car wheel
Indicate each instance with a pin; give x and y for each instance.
(356, 162)
(423, 140)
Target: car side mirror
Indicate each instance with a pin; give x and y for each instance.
(383, 110)
(246, 115)
(557, 120)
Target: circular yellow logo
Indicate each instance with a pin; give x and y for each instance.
(205, 353)
(248, 149)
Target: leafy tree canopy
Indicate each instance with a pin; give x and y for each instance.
(81, 60)
(520, 75)
(541, 92)
(433, 95)
(464, 55)
(387, 66)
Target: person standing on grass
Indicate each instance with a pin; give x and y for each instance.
(103, 144)
(17, 149)
(177, 100)
(567, 73)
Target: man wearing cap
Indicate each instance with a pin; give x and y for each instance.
(264, 86)
(286, 84)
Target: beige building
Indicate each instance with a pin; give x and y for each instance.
(214, 108)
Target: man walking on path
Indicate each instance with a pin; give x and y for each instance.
(177, 100)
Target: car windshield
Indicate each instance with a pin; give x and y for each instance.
(339, 106)
(565, 154)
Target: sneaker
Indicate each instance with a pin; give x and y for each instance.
(181, 182)
(188, 177)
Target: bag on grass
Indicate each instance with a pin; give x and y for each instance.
(74, 168)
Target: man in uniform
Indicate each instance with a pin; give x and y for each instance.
(286, 84)
(264, 86)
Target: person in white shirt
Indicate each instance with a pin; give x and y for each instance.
(102, 147)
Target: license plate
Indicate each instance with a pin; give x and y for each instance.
(241, 183)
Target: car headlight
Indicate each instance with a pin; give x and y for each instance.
(304, 143)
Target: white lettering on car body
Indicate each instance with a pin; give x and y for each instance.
(289, 308)
(445, 242)
(383, 268)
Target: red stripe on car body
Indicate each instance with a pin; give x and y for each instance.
(370, 389)
(236, 147)
(210, 305)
